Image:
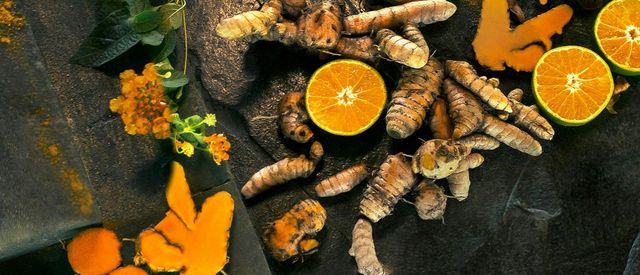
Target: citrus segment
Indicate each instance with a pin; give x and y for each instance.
(345, 97)
(572, 84)
(617, 31)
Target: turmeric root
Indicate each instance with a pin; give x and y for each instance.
(438, 158)
(293, 117)
(459, 181)
(361, 48)
(510, 135)
(440, 123)
(343, 181)
(411, 32)
(621, 85)
(364, 250)
(292, 234)
(487, 90)
(516, 94)
(464, 109)
(94, 251)
(480, 142)
(400, 49)
(251, 23)
(285, 32)
(515, 8)
(430, 201)
(419, 13)
(321, 28)
(187, 241)
(528, 118)
(416, 91)
(393, 180)
(283, 171)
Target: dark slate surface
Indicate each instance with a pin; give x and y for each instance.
(572, 210)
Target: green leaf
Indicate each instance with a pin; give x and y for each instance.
(193, 120)
(110, 38)
(107, 7)
(137, 6)
(189, 137)
(167, 47)
(153, 38)
(178, 126)
(146, 21)
(176, 80)
(171, 16)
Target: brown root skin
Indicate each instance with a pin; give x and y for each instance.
(464, 109)
(294, 7)
(480, 142)
(438, 158)
(440, 123)
(488, 91)
(285, 32)
(511, 135)
(393, 180)
(431, 201)
(416, 91)
(412, 33)
(472, 161)
(321, 28)
(94, 251)
(363, 249)
(419, 13)
(516, 94)
(528, 118)
(289, 235)
(343, 181)
(361, 48)
(246, 25)
(515, 8)
(459, 182)
(401, 50)
(621, 85)
(293, 116)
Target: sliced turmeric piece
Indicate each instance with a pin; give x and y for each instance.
(128, 270)
(172, 245)
(94, 251)
(496, 44)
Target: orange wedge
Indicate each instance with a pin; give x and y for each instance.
(617, 31)
(345, 97)
(572, 84)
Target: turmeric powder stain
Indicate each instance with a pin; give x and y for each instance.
(496, 44)
(81, 196)
(9, 21)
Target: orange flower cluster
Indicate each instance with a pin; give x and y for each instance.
(143, 106)
(219, 146)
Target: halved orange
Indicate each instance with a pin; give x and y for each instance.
(617, 31)
(572, 84)
(345, 97)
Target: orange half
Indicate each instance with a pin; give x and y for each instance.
(617, 31)
(572, 84)
(345, 97)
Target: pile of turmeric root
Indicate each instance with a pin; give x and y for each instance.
(465, 112)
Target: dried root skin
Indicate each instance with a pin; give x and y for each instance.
(321, 28)
(528, 118)
(511, 135)
(440, 123)
(293, 116)
(516, 94)
(361, 48)
(363, 249)
(343, 181)
(393, 180)
(293, 7)
(480, 142)
(412, 33)
(419, 13)
(94, 251)
(488, 91)
(283, 171)
(621, 85)
(400, 49)
(438, 158)
(431, 201)
(285, 32)
(459, 184)
(472, 161)
(515, 8)
(416, 91)
(291, 233)
(248, 25)
(464, 109)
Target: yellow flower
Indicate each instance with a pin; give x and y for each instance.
(143, 107)
(185, 148)
(219, 147)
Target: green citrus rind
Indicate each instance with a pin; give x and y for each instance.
(362, 129)
(556, 117)
(614, 65)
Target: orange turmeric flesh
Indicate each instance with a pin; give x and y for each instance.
(496, 45)
(187, 241)
(128, 270)
(94, 251)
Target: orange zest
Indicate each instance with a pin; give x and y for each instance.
(572, 84)
(345, 97)
(617, 31)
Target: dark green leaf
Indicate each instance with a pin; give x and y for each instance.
(146, 21)
(168, 45)
(193, 120)
(152, 38)
(171, 17)
(137, 6)
(107, 7)
(110, 38)
(176, 80)
(189, 137)
(178, 126)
